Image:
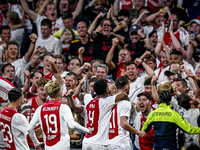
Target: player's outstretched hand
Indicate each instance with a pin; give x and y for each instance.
(142, 134)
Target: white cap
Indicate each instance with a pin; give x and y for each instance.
(197, 21)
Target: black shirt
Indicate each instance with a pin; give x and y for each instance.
(89, 49)
(102, 45)
(137, 49)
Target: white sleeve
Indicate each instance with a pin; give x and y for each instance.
(66, 113)
(125, 109)
(159, 31)
(110, 102)
(57, 47)
(34, 122)
(21, 123)
(87, 98)
(75, 126)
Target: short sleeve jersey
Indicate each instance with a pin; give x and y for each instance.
(98, 118)
(53, 117)
(15, 129)
(89, 49)
(31, 105)
(118, 135)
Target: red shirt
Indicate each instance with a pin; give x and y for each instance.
(48, 76)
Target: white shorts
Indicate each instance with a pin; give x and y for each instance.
(91, 146)
(119, 147)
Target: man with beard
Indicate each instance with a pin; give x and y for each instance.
(119, 122)
(143, 104)
(84, 43)
(30, 107)
(136, 82)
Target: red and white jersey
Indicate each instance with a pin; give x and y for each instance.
(98, 118)
(160, 73)
(118, 135)
(55, 25)
(29, 94)
(181, 34)
(48, 76)
(5, 87)
(31, 105)
(53, 117)
(15, 129)
(147, 142)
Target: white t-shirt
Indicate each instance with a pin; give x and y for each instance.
(17, 35)
(63, 75)
(58, 24)
(20, 66)
(53, 117)
(52, 44)
(136, 87)
(147, 30)
(160, 73)
(177, 107)
(15, 129)
(118, 135)
(98, 118)
(191, 116)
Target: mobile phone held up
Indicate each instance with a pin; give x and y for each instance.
(193, 33)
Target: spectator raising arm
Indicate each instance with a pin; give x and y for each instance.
(152, 18)
(175, 42)
(190, 50)
(79, 8)
(27, 82)
(77, 108)
(148, 69)
(27, 10)
(33, 37)
(92, 26)
(54, 70)
(109, 57)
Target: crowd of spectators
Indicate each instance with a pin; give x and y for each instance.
(154, 43)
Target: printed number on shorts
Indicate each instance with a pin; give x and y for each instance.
(6, 132)
(51, 123)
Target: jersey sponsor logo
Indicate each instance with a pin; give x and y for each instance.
(87, 58)
(5, 117)
(50, 108)
(161, 114)
(106, 48)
